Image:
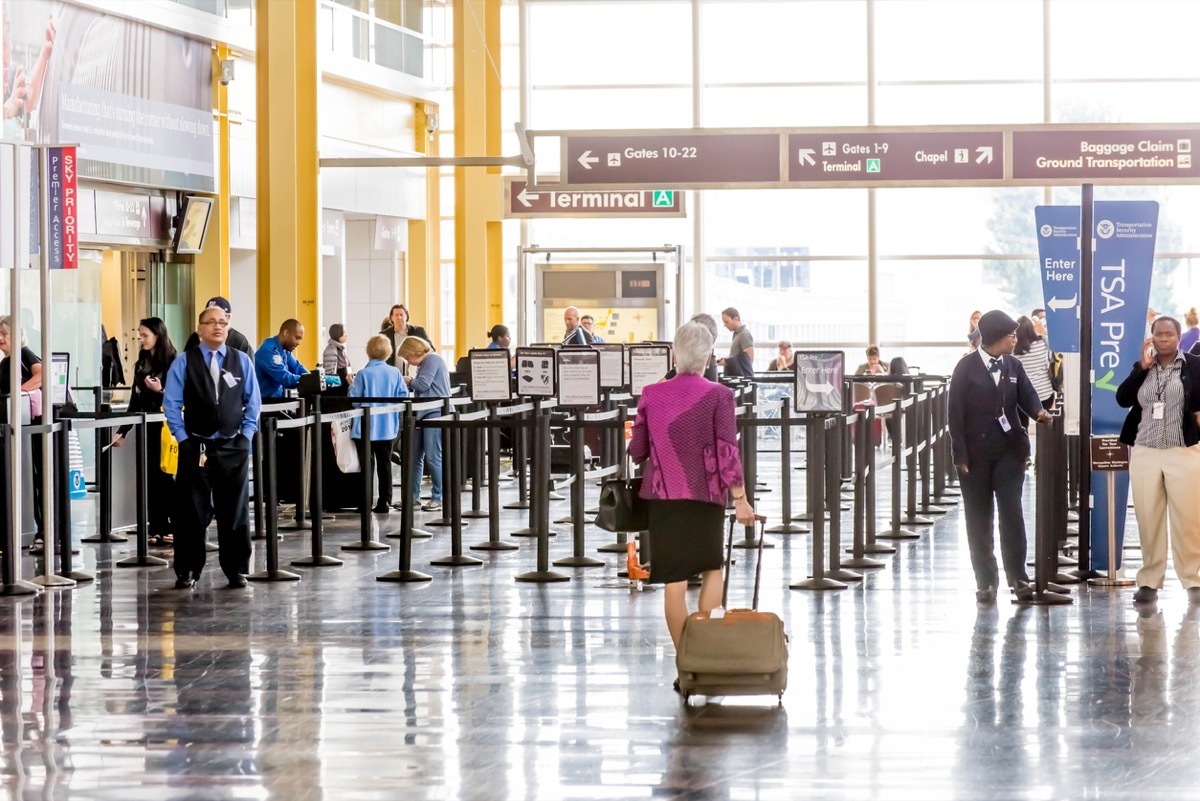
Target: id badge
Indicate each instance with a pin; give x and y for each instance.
(1158, 410)
(1005, 426)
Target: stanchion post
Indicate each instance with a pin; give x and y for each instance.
(863, 466)
(540, 503)
(142, 557)
(912, 443)
(453, 487)
(493, 542)
(577, 557)
(870, 543)
(619, 546)
(104, 532)
(925, 427)
(478, 438)
(750, 470)
(451, 467)
(316, 443)
(63, 507)
(366, 464)
(898, 460)
(10, 559)
(260, 531)
(520, 443)
(1049, 471)
(815, 427)
(832, 481)
(271, 501)
(787, 526)
(405, 573)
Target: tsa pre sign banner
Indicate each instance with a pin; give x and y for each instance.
(64, 207)
(1124, 234)
(1058, 263)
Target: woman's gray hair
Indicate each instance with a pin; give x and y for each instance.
(693, 346)
(6, 323)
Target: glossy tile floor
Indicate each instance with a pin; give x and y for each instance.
(475, 686)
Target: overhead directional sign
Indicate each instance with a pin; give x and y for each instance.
(1095, 154)
(672, 159)
(520, 201)
(896, 156)
(984, 155)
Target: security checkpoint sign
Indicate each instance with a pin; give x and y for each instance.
(1058, 264)
(1106, 154)
(522, 202)
(648, 364)
(489, 368)
(535, 372)
(684, 158)
(819, 376)
(890, 155)
(578, 377)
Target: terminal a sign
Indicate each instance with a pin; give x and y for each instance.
(520, 201)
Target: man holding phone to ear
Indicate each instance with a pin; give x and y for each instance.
(987, 392)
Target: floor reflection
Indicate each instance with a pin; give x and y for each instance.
(476, 687)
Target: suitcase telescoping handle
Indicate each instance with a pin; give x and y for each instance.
(762, 529)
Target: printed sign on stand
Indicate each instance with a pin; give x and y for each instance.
(612, 365)
(647, 365)
(1058, 263)
(64, 205)
(578, 377)
(535, 372)
(819, 376)
(489, 374)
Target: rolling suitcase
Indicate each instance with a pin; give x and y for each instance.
(742, 652)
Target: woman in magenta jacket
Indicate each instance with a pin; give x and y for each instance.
(686, 436)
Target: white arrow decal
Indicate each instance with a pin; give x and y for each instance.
(805, 154)
(1067, 303)
(985, 154)
(525, 196)
(587, 159)
(819, 386)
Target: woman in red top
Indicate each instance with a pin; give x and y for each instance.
(686, 436)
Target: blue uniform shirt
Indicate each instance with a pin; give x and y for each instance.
(176, 376)
(276, 368)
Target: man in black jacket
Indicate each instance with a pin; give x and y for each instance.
(396, 327)
(988, 389)
(235, 338)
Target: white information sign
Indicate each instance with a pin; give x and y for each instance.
(612, 365)
(647, 365)
(819, 378)
(535, 372)
(489, 374)
(578, 377)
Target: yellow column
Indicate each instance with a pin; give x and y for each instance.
(289, 214)
(211, 275)
(478, 257)
(423, 261)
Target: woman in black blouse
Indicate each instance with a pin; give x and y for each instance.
(31, 382)
(149, 376)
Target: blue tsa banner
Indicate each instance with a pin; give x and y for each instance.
(1124, 234)
(1058, 264)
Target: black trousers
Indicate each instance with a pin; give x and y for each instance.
(994, 485)
(221, 489)
(381, 454)
(160, 487)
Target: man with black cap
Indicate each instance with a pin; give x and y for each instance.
(236, 339)
(988, 391)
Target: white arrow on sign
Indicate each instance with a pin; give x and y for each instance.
(1066, 303)
(819, 386)
(985, 154)
(587, 159)
(525, 196)
(805, 155)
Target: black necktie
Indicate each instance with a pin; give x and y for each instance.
(994, 365)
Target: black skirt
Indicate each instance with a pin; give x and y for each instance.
(686, 538)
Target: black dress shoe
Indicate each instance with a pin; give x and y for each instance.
(238, 582)
(382, 509)
(184, 583)
(986, 596)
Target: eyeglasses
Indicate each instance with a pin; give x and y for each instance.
(218, 323)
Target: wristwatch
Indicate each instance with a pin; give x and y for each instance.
(741, 497)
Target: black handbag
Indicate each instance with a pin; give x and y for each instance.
(621, 509)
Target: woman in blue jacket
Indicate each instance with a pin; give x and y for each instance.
(379, 380)
(431, 381)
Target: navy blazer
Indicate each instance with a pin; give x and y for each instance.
(1127, 399)
(975, 405)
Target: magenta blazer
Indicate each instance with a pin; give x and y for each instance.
(686, 434)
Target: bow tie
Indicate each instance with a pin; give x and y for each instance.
(994, 365)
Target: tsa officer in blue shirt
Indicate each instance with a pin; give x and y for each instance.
(277, 369)
(211, 402)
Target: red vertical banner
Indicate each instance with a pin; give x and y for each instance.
(61, 185)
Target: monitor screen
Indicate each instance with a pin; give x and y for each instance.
(193, 224)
